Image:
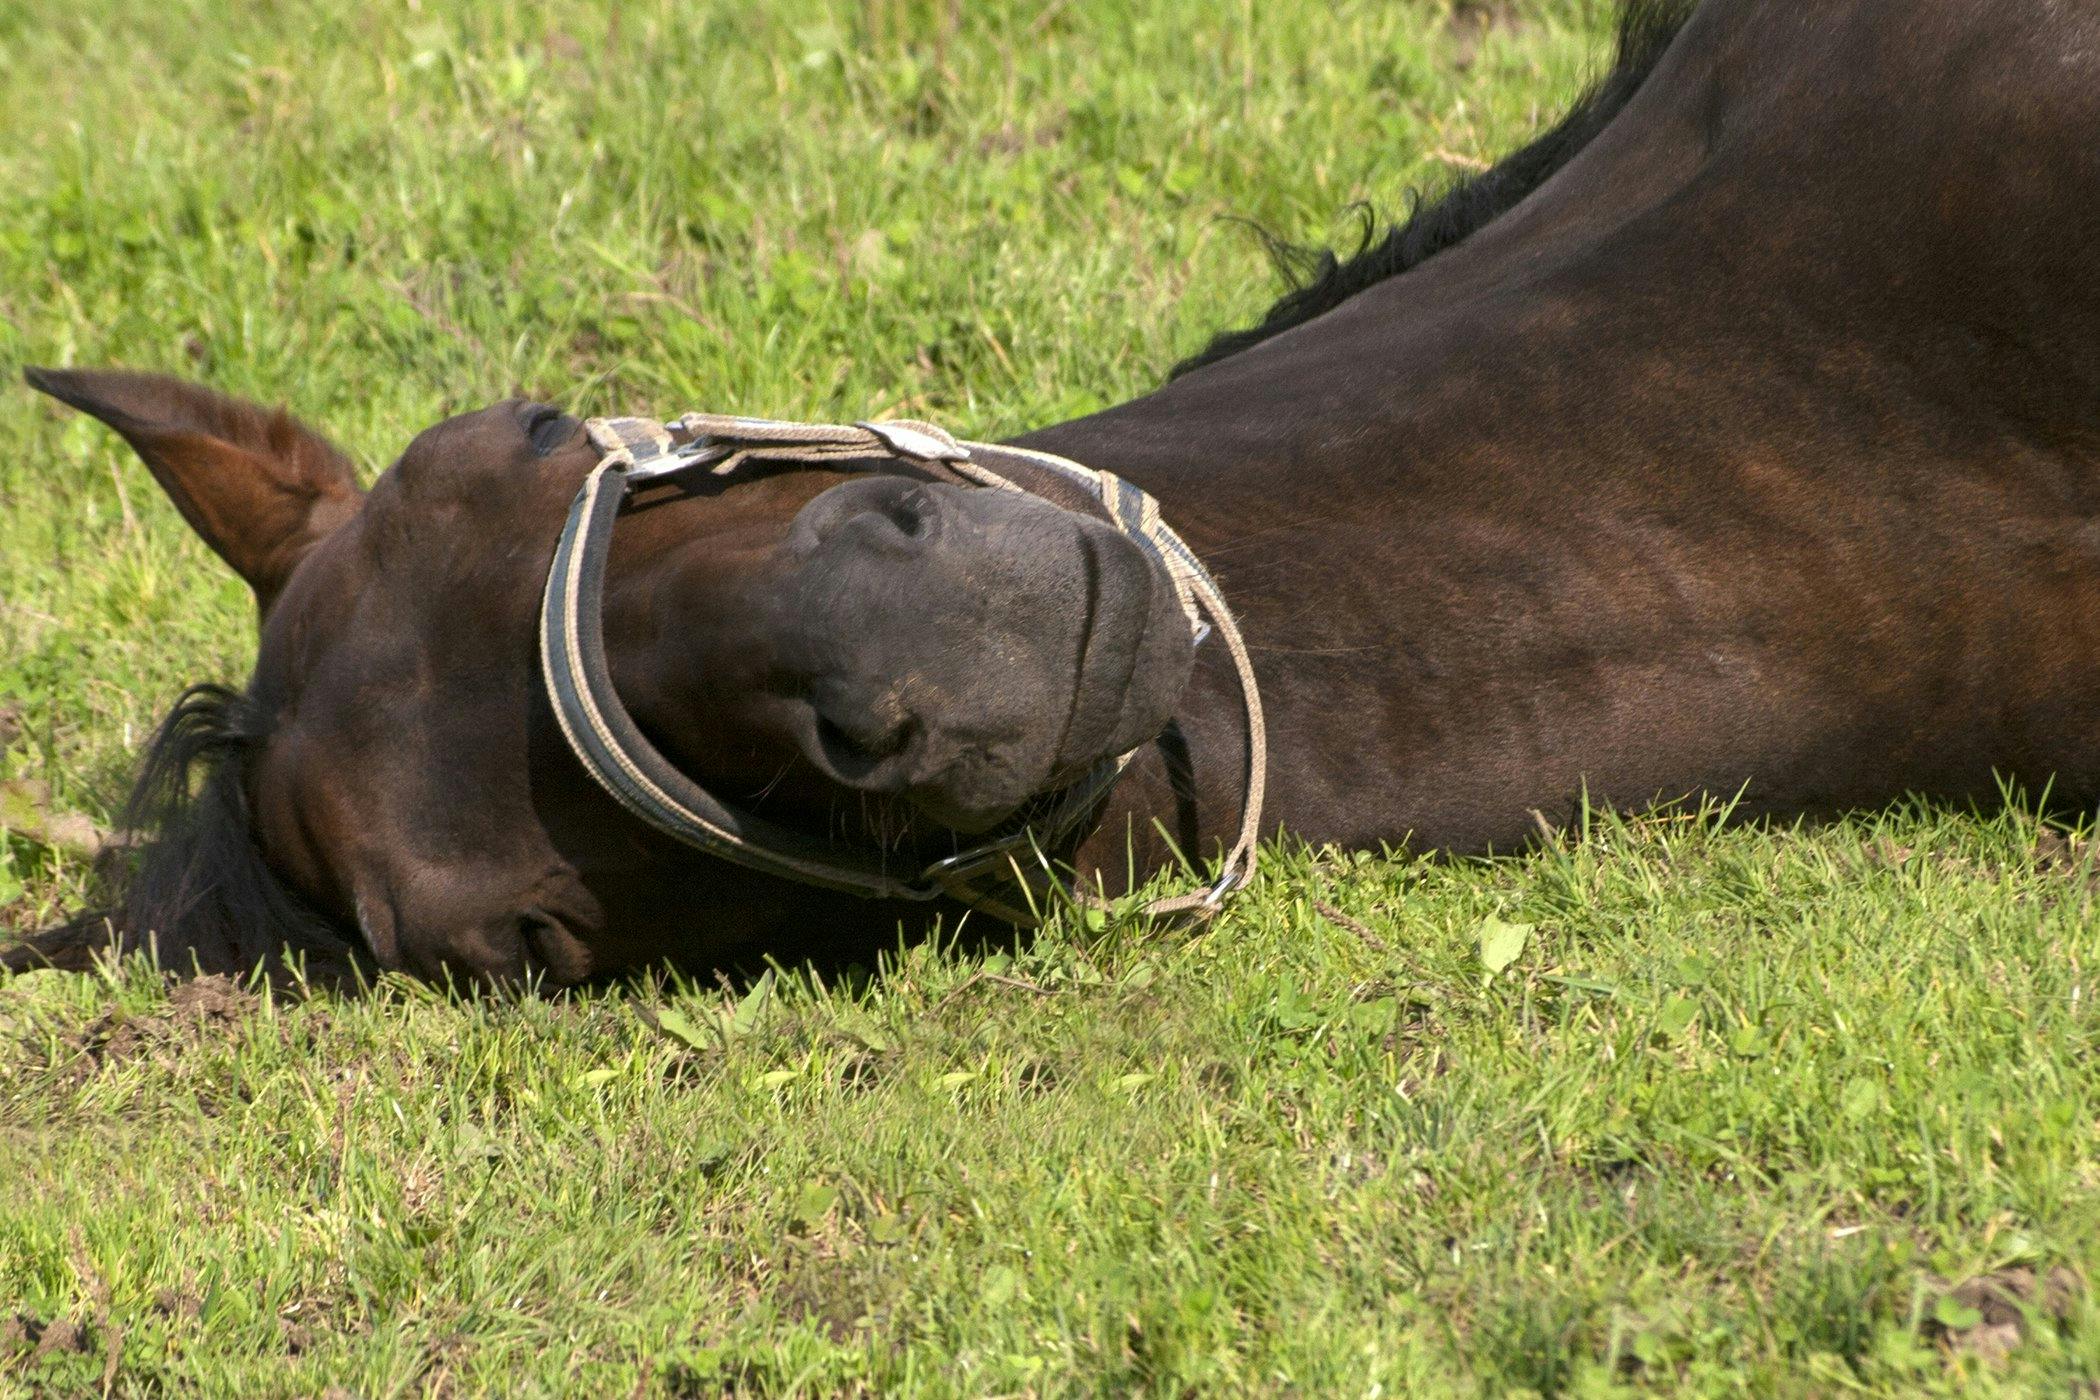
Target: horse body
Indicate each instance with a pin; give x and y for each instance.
(1742, 439)
(1754, 451)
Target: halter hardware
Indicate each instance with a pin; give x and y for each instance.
(613, 750)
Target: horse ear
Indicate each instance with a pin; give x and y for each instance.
(261, 487)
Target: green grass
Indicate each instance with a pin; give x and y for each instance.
(1767, 1111)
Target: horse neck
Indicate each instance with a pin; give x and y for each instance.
(1228, 486)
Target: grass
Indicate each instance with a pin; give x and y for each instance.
(1767, 1110)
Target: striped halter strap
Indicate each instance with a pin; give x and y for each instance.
(612, 748)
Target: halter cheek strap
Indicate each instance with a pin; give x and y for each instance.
(613, 750)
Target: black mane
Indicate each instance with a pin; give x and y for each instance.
(200, 898)
(1320, 281)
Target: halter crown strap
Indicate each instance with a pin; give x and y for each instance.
(612, 748)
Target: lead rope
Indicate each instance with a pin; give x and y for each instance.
(613, 750)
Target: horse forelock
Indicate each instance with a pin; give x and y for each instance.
(200, 896)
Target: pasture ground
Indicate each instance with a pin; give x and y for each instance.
(1662, 1106)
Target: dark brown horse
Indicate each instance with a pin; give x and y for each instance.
(1742, 430)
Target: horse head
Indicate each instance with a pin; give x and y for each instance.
(880, 659)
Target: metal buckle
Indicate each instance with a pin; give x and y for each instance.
(959, 877)
(955, 873)
(681, 457)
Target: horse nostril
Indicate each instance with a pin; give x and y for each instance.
(910, 511)
(888, 514)
(855, 755)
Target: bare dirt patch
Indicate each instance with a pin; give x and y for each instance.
(28, 808)
(195, 1009)
(2070, 856)
(1989, 1317)
(25, 1335)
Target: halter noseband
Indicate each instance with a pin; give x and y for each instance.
(614, 752)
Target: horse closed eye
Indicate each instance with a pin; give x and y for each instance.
(549, 428)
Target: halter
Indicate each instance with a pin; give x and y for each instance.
(612, 749)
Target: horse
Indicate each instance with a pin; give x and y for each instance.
(1738, 435)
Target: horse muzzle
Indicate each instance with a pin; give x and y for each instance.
(967, 649)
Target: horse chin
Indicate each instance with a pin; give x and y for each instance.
(965, 817)
(958, 818)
